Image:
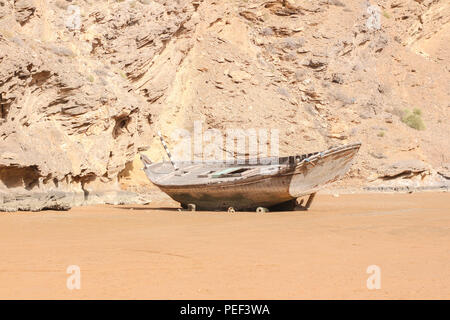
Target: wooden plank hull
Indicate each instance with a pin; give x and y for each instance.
(290, 181)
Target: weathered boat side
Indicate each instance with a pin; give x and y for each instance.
(264, 185)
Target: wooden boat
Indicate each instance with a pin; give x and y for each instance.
(267, 184)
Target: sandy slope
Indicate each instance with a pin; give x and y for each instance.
(157, 252)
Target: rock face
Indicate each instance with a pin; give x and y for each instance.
(407, 168)
(85, 85)
(70, 117)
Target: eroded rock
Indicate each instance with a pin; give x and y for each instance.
(404, 169)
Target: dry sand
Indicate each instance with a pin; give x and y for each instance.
(153, 252)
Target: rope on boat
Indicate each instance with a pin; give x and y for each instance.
(167, 150)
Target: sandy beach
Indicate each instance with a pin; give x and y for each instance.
(157, 252)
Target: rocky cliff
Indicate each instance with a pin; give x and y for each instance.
(84, 86)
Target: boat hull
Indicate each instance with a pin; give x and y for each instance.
(293, 181)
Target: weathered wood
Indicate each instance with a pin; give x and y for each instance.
(219, 185)
(310, 200)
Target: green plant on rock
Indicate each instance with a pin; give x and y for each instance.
(413, 119)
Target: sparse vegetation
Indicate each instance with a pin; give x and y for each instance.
(91, 78)
(5, 33)
(380, 134)
(413, 119)
(386, 15)
(123, 75)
